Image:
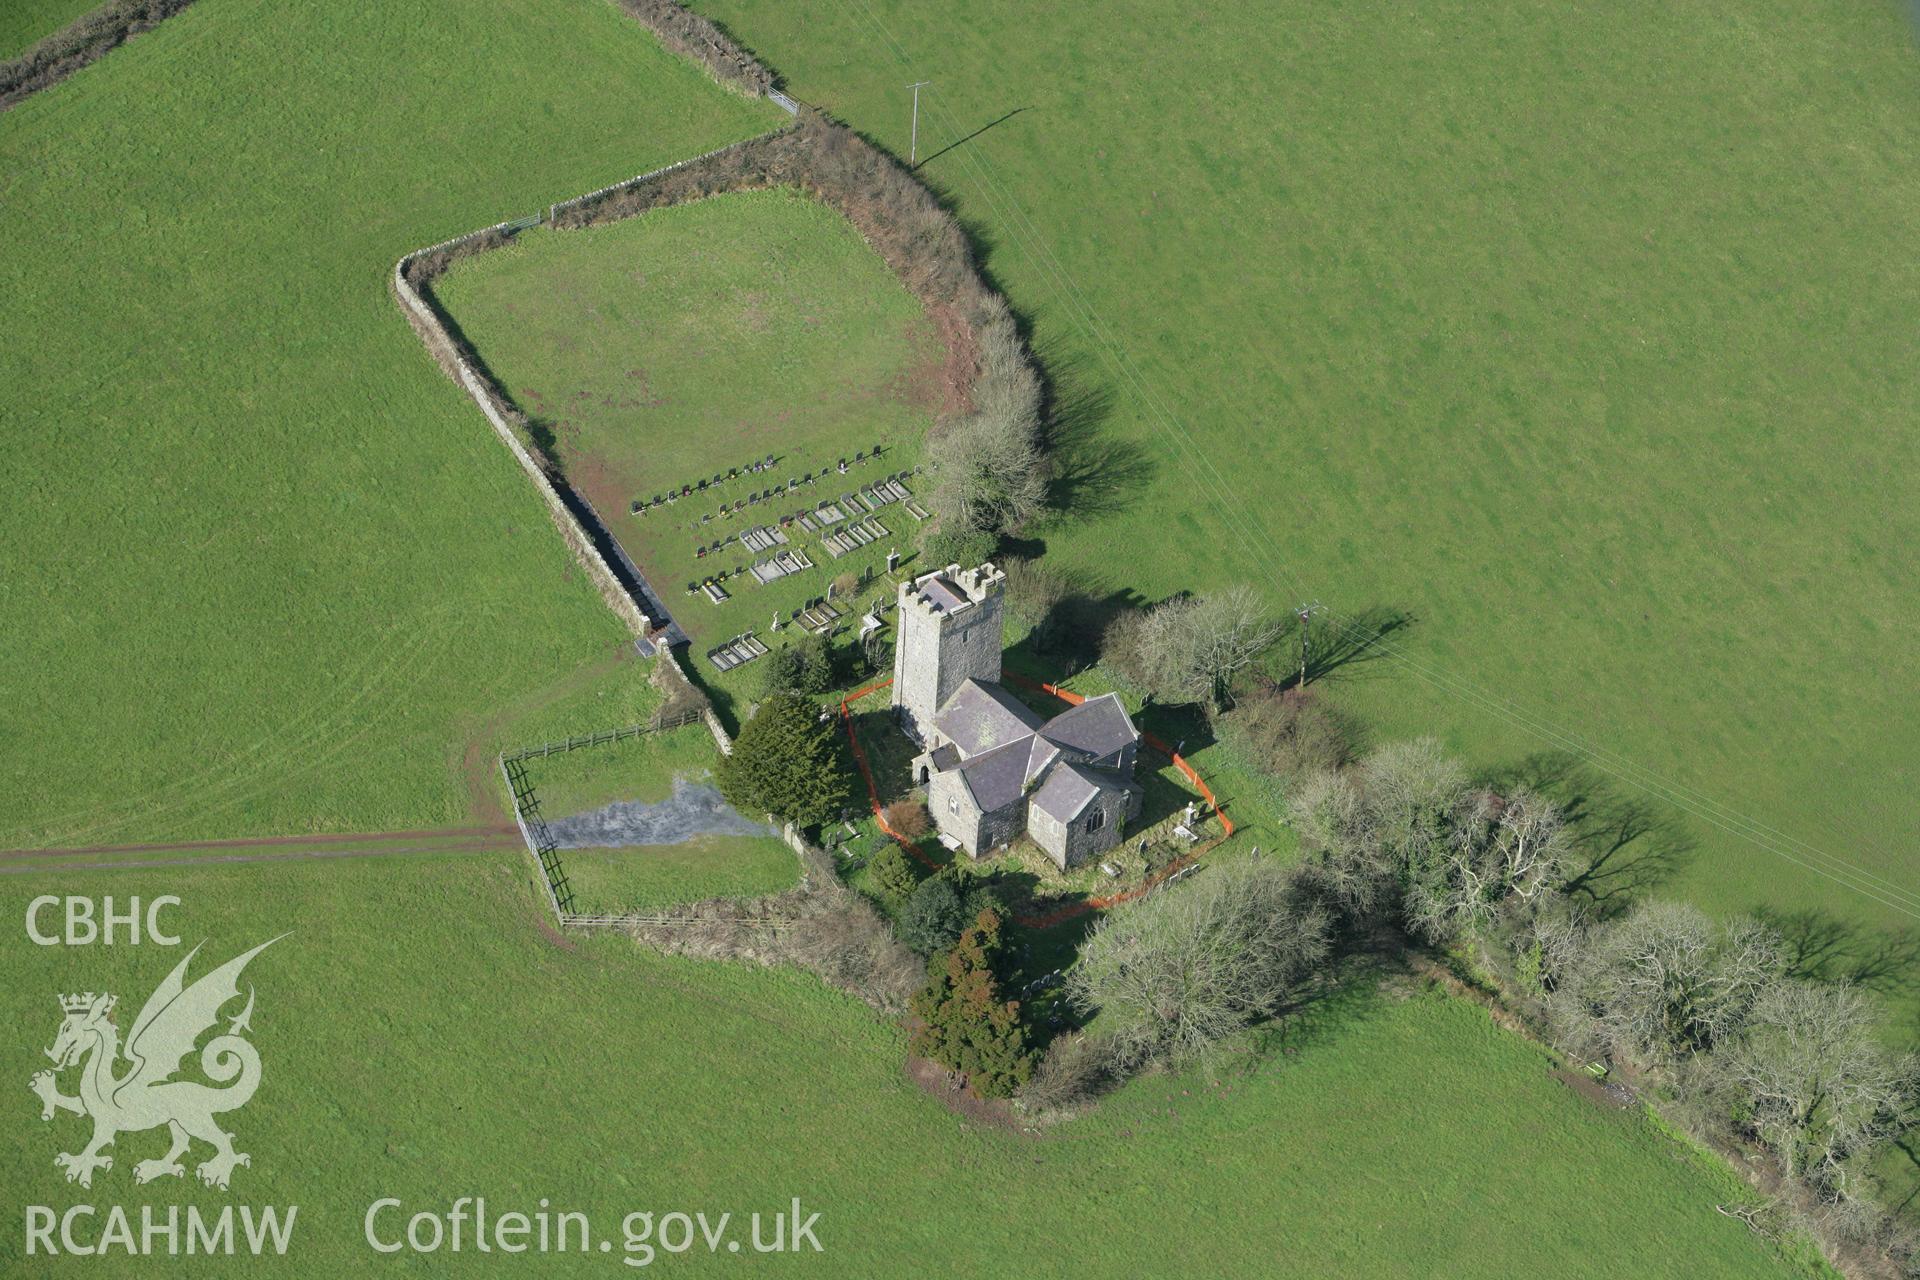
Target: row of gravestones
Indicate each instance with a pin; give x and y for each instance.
(722, 576)
(642, 506)
(754, 468)
(787, 521)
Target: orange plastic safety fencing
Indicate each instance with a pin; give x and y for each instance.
(1073, 699)
(1072, 910)
(866, 771)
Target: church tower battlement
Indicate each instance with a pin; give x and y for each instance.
(949, 631)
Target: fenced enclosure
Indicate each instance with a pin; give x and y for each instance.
(545, 850)
(533, 829)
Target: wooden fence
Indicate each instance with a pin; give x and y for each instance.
(602, 738)
(546, 853)
(533, 829)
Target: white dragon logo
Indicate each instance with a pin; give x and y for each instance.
(145, 1096)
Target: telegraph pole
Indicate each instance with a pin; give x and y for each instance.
(1305, 613)
(913, 142)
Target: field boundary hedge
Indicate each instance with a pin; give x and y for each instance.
(820, 925)
(80, 43)
(893, 212)
(695, 36)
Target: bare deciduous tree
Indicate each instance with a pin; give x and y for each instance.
(989, 474)
(1187, 648)
(1329, 812)
(1667, 981)
(1174, 973)
(1288, 733)
(1546, 947)
(1502, 852)
(1074, 1069)
(1817, 1086)
(1230, 629)
(1414, 789)
(1532, 846)
(990, 468)
(1034, 591)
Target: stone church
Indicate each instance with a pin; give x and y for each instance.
(994, 769)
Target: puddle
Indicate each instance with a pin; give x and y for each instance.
(694, 809)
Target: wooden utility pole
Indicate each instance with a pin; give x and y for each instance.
(913, 140)
(1305, 613)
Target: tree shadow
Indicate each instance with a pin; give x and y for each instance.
(1161, 797)
(1068, 639)
(546, 441)
(1910, 1202)
(1094, 474)
(1630, 845)
(889, 752)
(1824, 948)
(1346, 1000)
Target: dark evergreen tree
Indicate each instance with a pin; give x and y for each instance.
(942, 906)
(963, 1022)
(804, 665)
(789, 762)
(893, 875)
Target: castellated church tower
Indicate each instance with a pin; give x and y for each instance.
(948, 633)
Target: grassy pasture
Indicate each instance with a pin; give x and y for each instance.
(267, 569)
(641, 768)
(24, 23)
(1580, 337)
(420, 1030)
(614, 881)
(662, 350)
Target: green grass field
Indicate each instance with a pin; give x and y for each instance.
(24, 23)
(1581, 337)
(641, 768)
(619, 881)
(268, 569)
(1404, 1138)
(269, 572)
(663, 350)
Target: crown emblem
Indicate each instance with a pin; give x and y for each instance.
(82, 1002)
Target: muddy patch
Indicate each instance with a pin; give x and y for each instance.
(694, 809)
(994, 1113)
(1614, 1097)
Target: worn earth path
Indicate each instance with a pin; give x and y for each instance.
(360, 844)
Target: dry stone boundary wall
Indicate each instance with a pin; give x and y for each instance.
(426, 322)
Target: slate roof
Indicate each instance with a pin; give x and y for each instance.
(1016, 749)
(1099, 727)
(979, 717)
(1066, 792)
(998, 778)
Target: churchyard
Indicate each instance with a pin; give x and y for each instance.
(739, 387)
